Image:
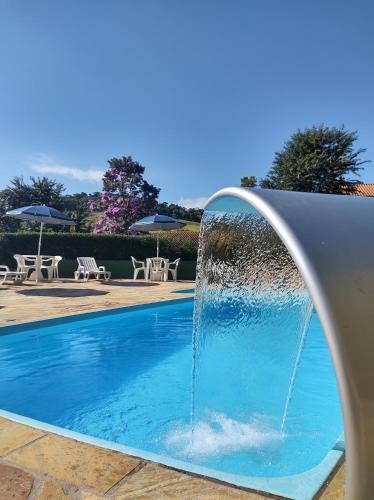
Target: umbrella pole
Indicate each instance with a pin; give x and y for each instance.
(38, 260)
(158, 244)
(40, 238)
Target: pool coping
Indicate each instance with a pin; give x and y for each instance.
(300, 486)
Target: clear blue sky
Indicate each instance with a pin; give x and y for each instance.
(202, 92)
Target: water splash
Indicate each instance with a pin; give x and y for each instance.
(220, 435)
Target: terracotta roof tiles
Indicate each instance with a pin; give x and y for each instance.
(363, 190)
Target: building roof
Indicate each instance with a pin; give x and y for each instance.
(363, 190)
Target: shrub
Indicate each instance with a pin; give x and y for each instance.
(100, 246)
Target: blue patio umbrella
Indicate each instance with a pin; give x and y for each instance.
(156, 223)
(42, 214)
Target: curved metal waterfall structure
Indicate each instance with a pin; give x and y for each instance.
(331, 240)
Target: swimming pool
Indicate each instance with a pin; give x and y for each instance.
(124, 376)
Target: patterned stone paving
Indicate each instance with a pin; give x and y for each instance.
(36, 465)
(14, 483)
(13, 435)
(77, 463)
(48, 300)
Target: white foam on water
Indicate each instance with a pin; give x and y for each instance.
(220, 435)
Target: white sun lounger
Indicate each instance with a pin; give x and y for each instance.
(16, 277)
(87, 267)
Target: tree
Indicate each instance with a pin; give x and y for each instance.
(318, 160)
(248, 182)
(178, 212)
(76, 207)
(18, 194)
(41, 191)
(46, 191)
(126, 196)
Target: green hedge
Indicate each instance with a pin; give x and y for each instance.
(102, 247)
(124, 268)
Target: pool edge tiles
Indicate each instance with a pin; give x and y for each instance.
(299, 486)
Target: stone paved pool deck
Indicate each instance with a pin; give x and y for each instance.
(39, 465)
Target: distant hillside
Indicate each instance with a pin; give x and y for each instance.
(191, 226)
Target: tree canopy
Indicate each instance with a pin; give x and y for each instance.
(126, 196)
(248, 182)
(40, 191)
(178, 212)
(43, 191)
(319, 159)
(76, 207)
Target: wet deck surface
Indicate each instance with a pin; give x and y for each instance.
(40, 465)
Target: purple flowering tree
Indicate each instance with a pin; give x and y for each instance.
(126, 196)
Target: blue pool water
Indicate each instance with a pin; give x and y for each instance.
(126, 377)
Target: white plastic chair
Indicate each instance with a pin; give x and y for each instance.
(48, 263)
(173, 270)
(56, 261)
(25, 263)
(87, 266)
(158, 269)
(16, 277)
(139, 265)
